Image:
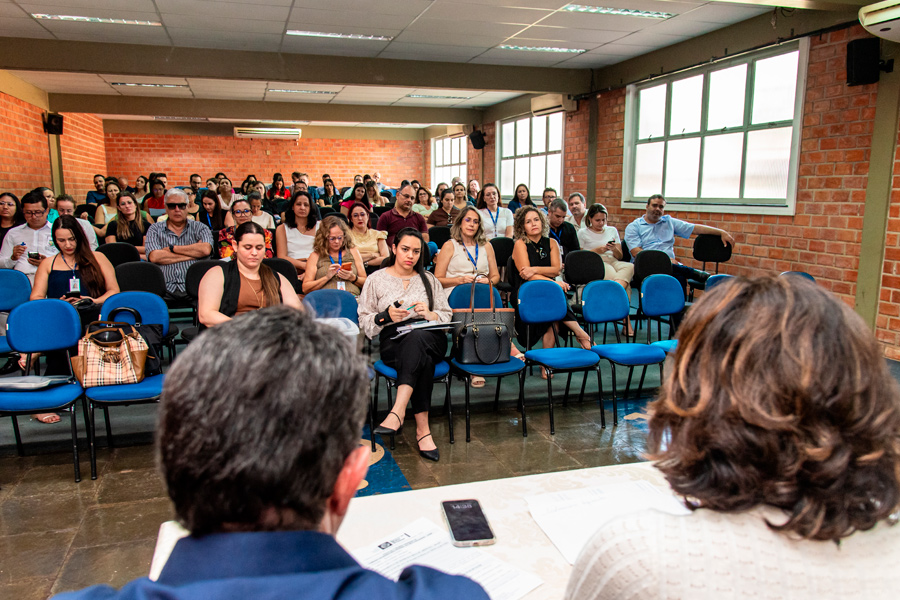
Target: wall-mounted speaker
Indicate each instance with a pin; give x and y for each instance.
(477, 139)
(863, 65)
(53, 123)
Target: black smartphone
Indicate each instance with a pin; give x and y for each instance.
(34, 255)
(467, 523)
(72, 295)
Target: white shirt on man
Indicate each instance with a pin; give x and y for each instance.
(35, 240)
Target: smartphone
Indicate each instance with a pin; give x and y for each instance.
(347, 266)
(467, 523)
(34, 255)
(72, 295)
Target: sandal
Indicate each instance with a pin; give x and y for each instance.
(383, 430)
(477, 382)
(434, 455)
(46, 418)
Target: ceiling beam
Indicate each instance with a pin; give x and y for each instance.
(157, 61)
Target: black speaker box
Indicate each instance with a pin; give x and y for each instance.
(477, 139)
(53, 124)
(862, 61)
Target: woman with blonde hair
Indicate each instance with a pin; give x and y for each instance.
(338, 264)
(129, 226)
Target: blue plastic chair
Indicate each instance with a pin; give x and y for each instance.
(604, 302)
(459, 299)
(333, 304)
(662, 296)
(43, 326)
(153, 311)
(544, 302)
(15, 289)
(715, 280)
(799, 274)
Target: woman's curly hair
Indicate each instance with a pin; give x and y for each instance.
(519, 222)
(779, 395)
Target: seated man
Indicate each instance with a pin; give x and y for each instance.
(577, 211)
(562, 231)
(177, 243)
(262, 487)
(26, 245)
(97, 195)
(657, 230)
(65, 205)
(402, 216)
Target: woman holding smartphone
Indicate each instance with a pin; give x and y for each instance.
(338, 263)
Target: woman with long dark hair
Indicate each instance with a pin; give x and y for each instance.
(211, 211)
(294, 238)
(402, 293)
(129, 226)
(357, 195)
(106, 208)
(371, 243)
(277, 192)
(521, 198)
(244, 283)
(330, 197)
(140, 188)
(10, 213)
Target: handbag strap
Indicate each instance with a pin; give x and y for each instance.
(472, 297)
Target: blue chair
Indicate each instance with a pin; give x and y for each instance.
(333, 304)
(43, 326)
(441, 374)
(799, 274)
(459, 299)
(15, 289)
(715, 280)
(153, 311)
(662, 296)
(544, 302)
(604, 302)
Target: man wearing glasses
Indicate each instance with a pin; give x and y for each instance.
(177, 243)
(402, 216)
(25, 246)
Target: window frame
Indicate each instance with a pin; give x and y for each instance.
(498, 157)
(720, 205)
(464, 156)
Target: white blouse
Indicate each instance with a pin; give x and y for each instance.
(381, 289)
(590, 239)
(504, 219)
(299, 245)
(461, 265)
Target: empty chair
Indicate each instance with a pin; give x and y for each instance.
(153, 311)
(582, 267)
(15, 289)
(662, 297)
(439, 235)
(333, 304)
(715, 280)
(503, 249)
(708, 248)
(192, 280)
(646, 263)
(119, 253)
(799, 274)
(141, 276)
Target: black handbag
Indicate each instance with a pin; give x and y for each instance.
(483, 335)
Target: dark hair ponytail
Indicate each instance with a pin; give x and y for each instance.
(420, 264)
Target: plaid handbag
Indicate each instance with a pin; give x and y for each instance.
(111, 353)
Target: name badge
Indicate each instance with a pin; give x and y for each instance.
(341, 286)
(75, 285)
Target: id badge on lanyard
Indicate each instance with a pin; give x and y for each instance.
(341, 285)
(74, 285)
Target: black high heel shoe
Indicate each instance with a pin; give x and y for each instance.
(434, 455)
(382, 430)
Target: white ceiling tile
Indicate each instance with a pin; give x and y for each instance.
(388, 90)
(13, 11)
(333, 123)
(224, 27)
(307, 45)
(214, 12)
(305, 18)
(597, 22)
(617, 49)
(649, 38)
(595, 37)
(451, 11)
(447, 92)
(449, 38)
(424, 56)
(277, 85)
(684, 27)
(531, 43)
(590, 61)
(425, 102)
(155, 92)
(192, 38)
(386, 7)
(24, 30)
(726, 12)
(298, 98)
(143, 79)
(413, 51)
(212, 85)
(229, 96)
(469, 28)
(545, 4)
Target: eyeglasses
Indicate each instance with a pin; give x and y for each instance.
(246, 211)
(407, 196)
(8, 204)
(179, 206)
(33, 213)
(338, 238)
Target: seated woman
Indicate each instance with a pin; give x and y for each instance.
(537, 257)
(295, 236)
(371, 243)
(424, 204)
(259, 216)
(211, 211)
(338, 262)
(330, 197)
(226, 193)
(521, 198)
(77, 273)
(245, 283)
(277, 192)
(373, 196)
(778, 427)
(241, 213)
(357, 195)
(155, 204)
(604, 240)
(106, 209)
(498, 221)
(445, 214)
(129, 226)
(399, 294)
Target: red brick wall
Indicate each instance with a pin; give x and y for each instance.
(575, 150)
(887, 324)
(823, 237)
(179, 156)
(24, 150)
(490, 153)
(83, 152)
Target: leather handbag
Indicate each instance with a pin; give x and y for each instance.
(483, 334)
(110, 353)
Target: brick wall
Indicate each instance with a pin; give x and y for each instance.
(24, 151)
(179, 156)
(83, 152)
(490, 152)
(823, 237)
(575, 151)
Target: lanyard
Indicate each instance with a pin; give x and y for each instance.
(340, 258)
(556, 236)
(494, 218)
(474, 260)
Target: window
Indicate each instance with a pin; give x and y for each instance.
(723, 137)
(449, 158)
(531, 153)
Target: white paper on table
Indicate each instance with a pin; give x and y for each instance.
(424, 543)
(570, 518)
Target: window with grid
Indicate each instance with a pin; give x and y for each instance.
(531, 153)
(725, 136)
(449, 158)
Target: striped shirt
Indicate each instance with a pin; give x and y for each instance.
(160, 237)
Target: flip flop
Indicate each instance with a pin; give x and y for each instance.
(477, 382)
(47, 418)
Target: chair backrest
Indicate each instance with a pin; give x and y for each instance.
(439, 235)
(119, 253)
(503, 249)
(195, 273)
(141, 277)
(15, 289)
(626, 253)
(152, 308)
(541, 302)
(799, 274)
(333, 304)
(709, 248)
(380, 210)
(462, 295)
(326, 210)
(661, 295)
(43, 326)
(343, 218)
(387, 194)
(584, 266)
(715, 280)
(279, 265)
(604, 301)
(650, 262)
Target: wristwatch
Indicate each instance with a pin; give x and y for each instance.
(172, 248)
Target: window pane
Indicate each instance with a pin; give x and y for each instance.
(438, 153)
(522, 139)
(441, 175)
(539, 134)
(556, 132)
(507, 177)
(687, 98)
(509, 139)
(454, 152)
(652, 115)
(648, 168)
(462, 172)
(522, 170)
(682, 168)
(538, 174)
(768, 156)
(554, 172)
(463, 150)
(722, 166)
(726, 97)
(447, 144)
(774, 87)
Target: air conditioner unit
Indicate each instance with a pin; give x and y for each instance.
(882, 19)
(456, 131)
(551, 103)
(267, 133)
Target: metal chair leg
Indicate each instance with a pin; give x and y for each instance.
(92, 440)
(497, 395)
(372, 409)
(615, 406)
(75, 444)
(583, 385)
(550, 398)
(641, 382)
(466, 381)
(390, 406)
(109, 437)
(600, 396)
(568, 383)
(20, 450)
(449, 406)
(522, 402)
(628, 381)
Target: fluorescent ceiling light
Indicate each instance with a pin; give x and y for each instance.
(430, 97)
(302, 92)
(151, 85)
(284, 122)
(95, 20)
(542, 49)
(343, 36)
(624, 12)
(181, 119)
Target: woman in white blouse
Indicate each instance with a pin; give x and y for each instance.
(294, 238)
(604, 240)
(498, 221)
